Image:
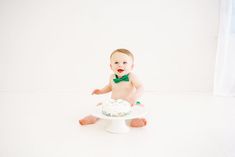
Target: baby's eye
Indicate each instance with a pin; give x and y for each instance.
(124, 62)
(115, 62)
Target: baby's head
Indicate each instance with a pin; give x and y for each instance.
(121, 62)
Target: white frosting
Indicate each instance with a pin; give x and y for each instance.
(116, 108)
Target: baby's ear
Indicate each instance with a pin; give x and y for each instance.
(110, 66)
(132, 66)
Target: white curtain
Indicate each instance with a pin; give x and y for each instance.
(224, 83)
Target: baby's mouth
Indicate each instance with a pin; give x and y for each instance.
(120, 70)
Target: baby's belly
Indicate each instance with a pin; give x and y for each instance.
(121, 94)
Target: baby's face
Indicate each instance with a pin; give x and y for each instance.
(121, 64)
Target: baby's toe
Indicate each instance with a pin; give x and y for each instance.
(88, 120)
(138, 122)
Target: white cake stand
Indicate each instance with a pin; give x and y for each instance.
(118, 124)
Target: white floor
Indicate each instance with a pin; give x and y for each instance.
(45, 124)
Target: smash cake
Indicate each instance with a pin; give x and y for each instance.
(116, 108)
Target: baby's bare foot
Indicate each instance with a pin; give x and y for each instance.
(138, 122)
(88, 120)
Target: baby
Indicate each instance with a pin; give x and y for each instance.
(123, 84)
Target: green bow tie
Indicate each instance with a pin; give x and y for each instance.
(123, 78)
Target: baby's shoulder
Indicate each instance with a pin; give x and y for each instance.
(132, 76)
(111, 77)
(134, 79)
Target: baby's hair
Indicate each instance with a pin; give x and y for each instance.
(124, 51)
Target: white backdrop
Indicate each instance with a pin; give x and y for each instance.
(65, 45)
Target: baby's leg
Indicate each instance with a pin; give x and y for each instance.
(138, 122)
(88, 120)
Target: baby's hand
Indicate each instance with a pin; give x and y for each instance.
(131, 100)
(97, 91)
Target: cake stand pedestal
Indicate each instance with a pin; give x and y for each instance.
(118, 124)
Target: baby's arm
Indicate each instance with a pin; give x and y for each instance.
(139, 88)
(106, 89)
